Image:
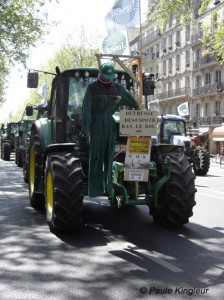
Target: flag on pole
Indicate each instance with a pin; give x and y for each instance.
(183, 109)
(122, 16)
(154, 105)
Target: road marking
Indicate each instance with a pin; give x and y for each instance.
(212, 196)
(210, 190)
(119, 243)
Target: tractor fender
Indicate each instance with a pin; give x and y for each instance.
(43, 129)
(166, 148)
(62, 147)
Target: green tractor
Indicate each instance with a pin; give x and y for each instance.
(173, 130)
(8, 140)
(58, 162)
(31, 113)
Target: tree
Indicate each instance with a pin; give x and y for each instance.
(184, 11)
(22, 24)
(78, 51)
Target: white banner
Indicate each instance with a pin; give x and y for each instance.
(124, 14)
(183, 109)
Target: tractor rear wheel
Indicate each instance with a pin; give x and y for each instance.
(63, 192)
(36, 194)
(176, 198)
(25, 172)
(202, 165)
(20, 156)
(6, 151)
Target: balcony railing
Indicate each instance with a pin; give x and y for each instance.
(210, 120)
(211, 88)
(196, 38)
(205, 60)
(150, 37)
(173, 94)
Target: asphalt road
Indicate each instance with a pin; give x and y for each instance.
(118, 254)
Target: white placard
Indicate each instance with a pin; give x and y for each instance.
(138, 123)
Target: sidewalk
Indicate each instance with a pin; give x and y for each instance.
(215, 161)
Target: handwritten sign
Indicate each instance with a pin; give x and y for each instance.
(137, 159)
(138, 122)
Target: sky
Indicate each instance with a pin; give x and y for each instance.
(70, 14)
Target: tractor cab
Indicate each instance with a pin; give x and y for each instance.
(172, 130)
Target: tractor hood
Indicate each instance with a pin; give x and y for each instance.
(181, 141)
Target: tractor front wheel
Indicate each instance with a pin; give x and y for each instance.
(36, 192)
(177, 197)
(6, 151)
(201, 166)
(63, 192)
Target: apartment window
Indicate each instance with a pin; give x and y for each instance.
(198, 54)
(197, 111)
(157, 71)
(164, 67)
(170, 21)
(177, 84)
(178, 38)
(207, 78)
(157, 50)
(170, 42)
(163, 44)
(170, 86)
(170, 65)
(218, 76)
(178, 62)
(198, 81)
(187, 53)
(217, 107)
(187, 33)
(207, 109)
(187, 81)
(200, 32)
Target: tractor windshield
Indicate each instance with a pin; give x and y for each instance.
(77, 89)
(13, 127)
(172, 128)
(78, 83)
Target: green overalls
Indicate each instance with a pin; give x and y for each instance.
(99, 104)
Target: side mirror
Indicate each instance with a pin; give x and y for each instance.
(29, 111)
(32, 79)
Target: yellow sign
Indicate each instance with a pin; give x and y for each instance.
(137, 159)
(138, 145)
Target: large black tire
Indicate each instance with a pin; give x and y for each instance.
(36, 192)
(176, 198)
(63, 192)
(25, 172)
(202, 165)
(6, 151)
(20, 156)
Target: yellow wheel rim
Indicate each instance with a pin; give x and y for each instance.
(32, 170)
(50, 194)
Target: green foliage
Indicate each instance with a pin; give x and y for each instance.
(161, 11)
(22, 24)
(79, 51)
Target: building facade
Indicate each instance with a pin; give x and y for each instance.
(186, 72)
